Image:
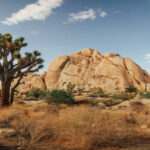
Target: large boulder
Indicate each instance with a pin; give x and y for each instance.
(89, 69)
(31, 81)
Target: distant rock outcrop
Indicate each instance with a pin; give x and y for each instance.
(31, 81)
(89, 69)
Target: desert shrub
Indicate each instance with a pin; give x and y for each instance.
(136, 103)
(98, 93)
(141, 93)
(112, 102)
(80, 91)
(130, 89)
(74, 128)
(36, 92)
(94, 103)
(60, 97)
(147, 95)
(70, 88)
(121, 96)
(101, 94)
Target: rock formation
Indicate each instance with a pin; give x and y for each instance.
(89, 69)
(31, 81)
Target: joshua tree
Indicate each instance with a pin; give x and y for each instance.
(13, 65)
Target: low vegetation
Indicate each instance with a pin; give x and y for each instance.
(54, 96)
(147, 95)
(70, 88)
(123, 96)
(136, 103)
(36, 92)
(80, 91)
(112, 102)
(144, 95)
(60, 97)
(131, 89)
(98, 93)
(72, 128)
(80, 127)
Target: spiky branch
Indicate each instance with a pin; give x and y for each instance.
(13, 65)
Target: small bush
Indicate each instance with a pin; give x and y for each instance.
(98, 93)
(94, 103)
(60, 97)
(141, 93)
(130, 89)
(112, 102)
(36, 92)
(70, 88)
(147, 95)
(80, 91)
(136, 103)
(144, 95)
(123, 97)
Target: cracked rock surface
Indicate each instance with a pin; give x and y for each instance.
(89, 69)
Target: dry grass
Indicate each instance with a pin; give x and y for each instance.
(78, 127)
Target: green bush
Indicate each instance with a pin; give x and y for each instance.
(122, 96)
(112, 102)
(60, 97)
(136, 103)
(98, 93)
(36, 92)
(147, 95)
(144, 95)
(130, 89)
(80, 91)
(141, 93)
(70, 88)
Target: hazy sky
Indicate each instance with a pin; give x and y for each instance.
(62, 27)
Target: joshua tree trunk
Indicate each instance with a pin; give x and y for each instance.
(12, 95)
(14, 66)
(5, 94)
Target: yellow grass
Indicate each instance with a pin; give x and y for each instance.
(78, 127)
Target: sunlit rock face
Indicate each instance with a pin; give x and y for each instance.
(31, 81)
(89, 69)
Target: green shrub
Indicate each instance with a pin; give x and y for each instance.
(94, 103)
(98, 93)
(136, 103)
(60, 97)
(101, 94)
(112, 102)
(70, 88)
(130, 89)
(36, 92)
(80, 91)
(147, 95)
(141, 93)
(122, 96)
